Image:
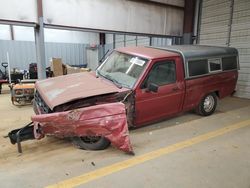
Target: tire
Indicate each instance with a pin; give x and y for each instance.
(207, 105)
(91, 143)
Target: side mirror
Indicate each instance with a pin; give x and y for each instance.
(152, 87)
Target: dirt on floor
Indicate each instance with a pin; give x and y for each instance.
(16, 116)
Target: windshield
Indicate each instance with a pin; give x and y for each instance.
(122, 69)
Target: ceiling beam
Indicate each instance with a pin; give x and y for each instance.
(171, 3)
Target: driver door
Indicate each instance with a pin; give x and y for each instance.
(153, 106)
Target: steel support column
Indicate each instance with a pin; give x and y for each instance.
(114, 41)
(230, 23)
(188, 22)
(39, 41)
(124, 40)
(150, 41)
(199, 21)
(12, 32)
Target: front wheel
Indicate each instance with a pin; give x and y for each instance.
(207, 105)
(91, 142)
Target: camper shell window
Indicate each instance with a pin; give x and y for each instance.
(214, 64)
(197, 67)
(229, 63)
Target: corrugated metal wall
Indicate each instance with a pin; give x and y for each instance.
(214, 22)
(240, 38)
(162, 41)
(227, 23)
(131, 40)
(22, 53)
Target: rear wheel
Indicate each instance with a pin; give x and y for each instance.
(207, 105)
(91, 142)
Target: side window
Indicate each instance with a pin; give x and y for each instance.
(197, 67)
(214, 64)
(229, 63)
(162, 73)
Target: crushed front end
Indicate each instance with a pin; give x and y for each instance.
(107, 116)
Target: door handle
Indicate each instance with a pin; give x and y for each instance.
(175, 89)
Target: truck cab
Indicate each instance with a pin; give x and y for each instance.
(181, 78)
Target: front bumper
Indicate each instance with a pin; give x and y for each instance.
(108, 120)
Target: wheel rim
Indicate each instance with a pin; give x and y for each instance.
(91, 139)
(208, 103)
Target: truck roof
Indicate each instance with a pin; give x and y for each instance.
(189, 52)
(147, 52)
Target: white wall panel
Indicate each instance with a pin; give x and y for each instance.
(24, 10)
(117, 15)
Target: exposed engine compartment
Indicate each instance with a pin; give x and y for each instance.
(126, 97)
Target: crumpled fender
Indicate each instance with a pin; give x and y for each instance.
(108, 120)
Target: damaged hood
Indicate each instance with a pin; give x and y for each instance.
(63, 89)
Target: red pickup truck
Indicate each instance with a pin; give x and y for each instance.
(134, 86)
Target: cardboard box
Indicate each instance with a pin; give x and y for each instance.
(57, 66)
(59, 69)
(72, 70)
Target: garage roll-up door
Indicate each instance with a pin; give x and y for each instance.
(227, 23)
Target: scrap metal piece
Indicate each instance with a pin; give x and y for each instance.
(22, 134)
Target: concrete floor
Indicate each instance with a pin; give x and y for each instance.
(220, 162)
